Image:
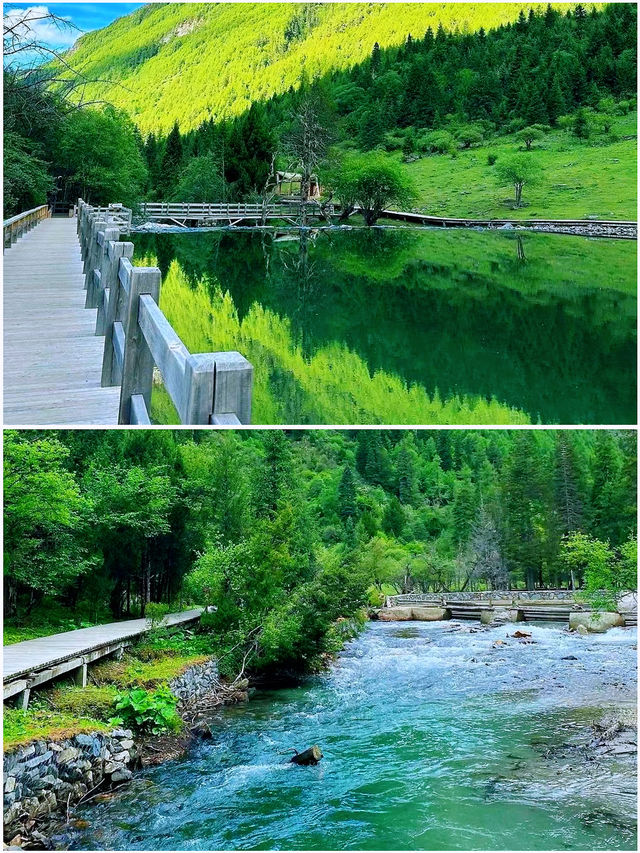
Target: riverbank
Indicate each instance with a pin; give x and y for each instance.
(476, 745)
(59, 758)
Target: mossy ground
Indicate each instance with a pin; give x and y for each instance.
(64, 710)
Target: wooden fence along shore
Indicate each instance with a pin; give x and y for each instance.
(205, 388)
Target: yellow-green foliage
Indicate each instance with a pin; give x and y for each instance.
(193, 61)
(334, 385)
(132, 672)
(23, 726)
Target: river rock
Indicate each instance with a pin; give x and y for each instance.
(595, 623)
(428, 614)
(122, 775)
(395, 614)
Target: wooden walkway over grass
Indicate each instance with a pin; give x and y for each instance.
(52, 357)
(33, 662)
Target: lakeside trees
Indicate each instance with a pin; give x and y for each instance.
(265, 524)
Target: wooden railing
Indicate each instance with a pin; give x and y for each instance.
(207, 388)
(223, 212)
(16, 226)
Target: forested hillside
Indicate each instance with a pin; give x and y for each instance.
(289, 531)
(191, 62)
(451, 106)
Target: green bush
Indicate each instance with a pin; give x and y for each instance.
(156, 613)
(148, 713)
(491, 159)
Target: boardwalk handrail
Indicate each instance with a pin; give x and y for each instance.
(14, 227)
(205, 388)
(229, 211)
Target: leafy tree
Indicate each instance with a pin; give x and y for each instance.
(100, 158)
(593, 561)
(45, 516)
(469, 135)
(518, 170)
(531, 134)
(378, 181)
(200, 181)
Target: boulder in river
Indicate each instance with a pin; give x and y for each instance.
(309, 757)
(596, 622)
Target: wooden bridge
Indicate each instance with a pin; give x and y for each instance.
(193, 214)
(190, 213)
(34, 662)
(83, 331)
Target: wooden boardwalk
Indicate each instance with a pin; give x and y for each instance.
(52, 356)
(33, 662)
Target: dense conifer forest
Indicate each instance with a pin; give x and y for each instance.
(291, 530)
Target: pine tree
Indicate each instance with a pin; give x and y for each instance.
(375, 60)
(393, 519)
(566, 488)
(465, 508)
(347, 495)
(171, 161)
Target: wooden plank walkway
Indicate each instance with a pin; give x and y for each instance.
(52, 356)
(31, 656)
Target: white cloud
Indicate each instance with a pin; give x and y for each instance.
(35, 24)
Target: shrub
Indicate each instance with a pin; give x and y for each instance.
(148, 713)
(156, 613)
(491, 159)
(438, 142)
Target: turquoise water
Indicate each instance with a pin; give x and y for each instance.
(432, 739)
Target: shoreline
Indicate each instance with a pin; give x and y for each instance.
(588, 229)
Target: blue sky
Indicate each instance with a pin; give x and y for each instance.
(85, 16)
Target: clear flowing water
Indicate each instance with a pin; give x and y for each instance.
(383, 325)
(432, 740)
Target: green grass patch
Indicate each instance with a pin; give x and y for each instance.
(90, 701)
(132, 672)
(21, 727)
(577, 180)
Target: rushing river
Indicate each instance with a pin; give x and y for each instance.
(433, 739)
(410, 325)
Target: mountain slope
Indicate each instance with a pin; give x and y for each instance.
(192, 61)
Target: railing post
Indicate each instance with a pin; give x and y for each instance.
(232, 386)
(137, 370)
(199, 380)
(98, 224)
(95, 284)
(114, 307)
(105, 275)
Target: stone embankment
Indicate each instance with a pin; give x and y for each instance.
(44, 780)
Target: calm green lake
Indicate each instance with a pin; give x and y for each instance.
(433, 739)
(411, 325)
